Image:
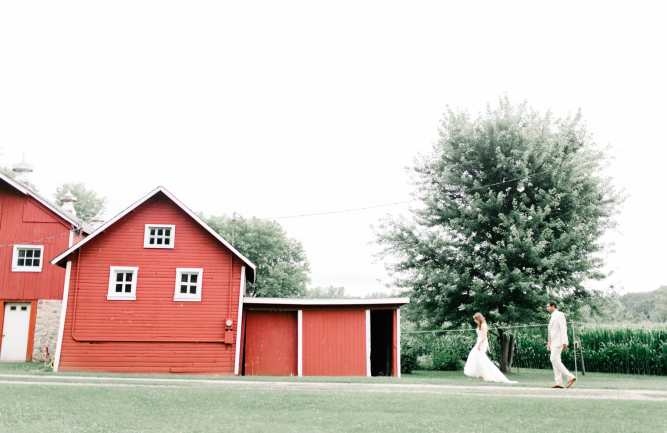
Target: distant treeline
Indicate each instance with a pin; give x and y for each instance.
(646, 306)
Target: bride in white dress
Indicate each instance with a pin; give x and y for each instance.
(478, 364)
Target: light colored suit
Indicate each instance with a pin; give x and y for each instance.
(558, 337)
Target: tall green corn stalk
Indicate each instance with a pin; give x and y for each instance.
(627, 351)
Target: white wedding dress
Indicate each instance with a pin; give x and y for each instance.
(478, 364)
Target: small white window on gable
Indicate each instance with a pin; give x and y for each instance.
(122, 283)
(159, 236)
(28, 258)
(188, 284)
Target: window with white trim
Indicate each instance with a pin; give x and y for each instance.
(122, 283)
(188, 284)
(28, 258)
(159, 236)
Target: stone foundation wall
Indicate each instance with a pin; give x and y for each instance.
(46, 328)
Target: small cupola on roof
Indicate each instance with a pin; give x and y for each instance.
(23, 170)
(68, 203)
(97, 221)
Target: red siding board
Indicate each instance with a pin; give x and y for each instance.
(152, 333)
(271, 343)
(334, 342)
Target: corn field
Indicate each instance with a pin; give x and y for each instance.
(605, 349)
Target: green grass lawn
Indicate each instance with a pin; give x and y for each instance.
(136, 409)
(192, 407)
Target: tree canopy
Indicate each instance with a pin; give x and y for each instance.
(513, 206)
(282, 265)
(88, 204)
(644, 306)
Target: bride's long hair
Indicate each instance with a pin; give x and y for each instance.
(481, 319)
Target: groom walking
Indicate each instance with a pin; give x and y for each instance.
(558, 343)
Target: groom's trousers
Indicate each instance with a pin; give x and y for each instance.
(559, 368)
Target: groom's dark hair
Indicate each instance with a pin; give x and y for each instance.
(552, 304)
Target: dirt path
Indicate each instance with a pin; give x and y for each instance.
(499, 391)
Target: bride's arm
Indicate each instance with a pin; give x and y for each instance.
(484, 331)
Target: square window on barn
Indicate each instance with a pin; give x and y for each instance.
(122, 283)
(188, 284)
(159, 236)
(28, 258)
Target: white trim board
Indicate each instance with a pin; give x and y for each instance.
(63, 313)
(194, 216)
(297, 301)
(239, 320)
(398, 341)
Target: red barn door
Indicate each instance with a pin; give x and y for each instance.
(271, 343)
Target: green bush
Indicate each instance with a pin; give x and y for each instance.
(408, 358)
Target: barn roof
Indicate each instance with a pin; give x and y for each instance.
(46, 202)
(61, 258)
(325, 302)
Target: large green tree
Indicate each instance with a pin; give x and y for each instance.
(88, 203)
(513, 207)
(282, 266)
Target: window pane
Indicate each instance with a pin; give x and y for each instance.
(28, 262)
(159, 241)
(184, 289)
(128, 288)
(193, 290)
(193, 278)
(166, 241)
(38, 253)
(21, 253)
(151, 241)
(119, 288)
(167, 232)
(128, 276)
(24, 308)
(119, 276)
(29, 253)
(21, 262)
(12, 308)
(159, 232)
(35, 262)
(152, 232)
(184, 278)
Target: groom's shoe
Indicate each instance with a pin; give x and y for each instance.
(556, 386)
(570, 382)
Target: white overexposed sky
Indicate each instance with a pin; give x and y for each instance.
(284, 108)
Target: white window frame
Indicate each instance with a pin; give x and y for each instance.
(178, 296)
(15, 258)
(112, 295)
(172, 236)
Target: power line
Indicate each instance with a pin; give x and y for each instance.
(465, 190)
(38, 240)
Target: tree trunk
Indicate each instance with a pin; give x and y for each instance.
(506, 350)
(511, 353)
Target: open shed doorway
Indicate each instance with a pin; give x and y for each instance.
(382, 322)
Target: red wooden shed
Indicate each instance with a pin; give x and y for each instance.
(322, 337)
(155, 289)
(32, 231)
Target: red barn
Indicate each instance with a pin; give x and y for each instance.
(33, 230)
(322, 337)
(153, 290)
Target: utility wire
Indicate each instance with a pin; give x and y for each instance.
(38, 240)
(465, 190)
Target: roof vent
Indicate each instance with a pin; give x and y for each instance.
(97, 221)
(23, 170)
(68, 203)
